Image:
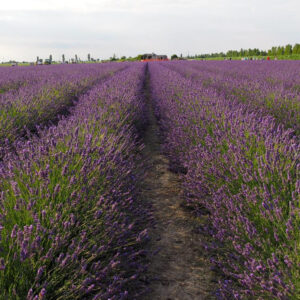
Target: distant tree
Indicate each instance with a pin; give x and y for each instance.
(63, 58)
(229, 53)
(76, 58)
(256, 51)
(280, 50)
(174, 56)
(251, 52)
(50, 58)
(296, 49)
(139, 57)
(89, 57)
(37, 58)
(123, 57)
(273, 51)
(288, 49)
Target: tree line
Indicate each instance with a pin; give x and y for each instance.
(274, 51)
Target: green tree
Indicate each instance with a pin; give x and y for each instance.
(139, 57)
(251, 52)
(274, 51)
(280, 50)
(174, 56)
(89, 57)
(288, 49)
(229, 53)
(113, 58)
(296, 49)
(63, 58)
(256, 51)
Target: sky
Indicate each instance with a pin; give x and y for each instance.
(31, 28)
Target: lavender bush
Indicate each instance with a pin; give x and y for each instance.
(242, 166)
(70, 225)
(13, 78)
(45, 95)
(272, 87)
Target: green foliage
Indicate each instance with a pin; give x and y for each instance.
(287, 50)
(113, 58)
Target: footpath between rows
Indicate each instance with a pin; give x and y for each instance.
(178, 267)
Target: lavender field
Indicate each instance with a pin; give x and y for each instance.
(83, 188)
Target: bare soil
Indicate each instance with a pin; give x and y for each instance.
(179, 268)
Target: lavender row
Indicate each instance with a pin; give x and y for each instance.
(243, 169)
(43, 98)
(272, 87)
(13, 78)
(70, 225)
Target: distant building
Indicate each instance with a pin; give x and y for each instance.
(154, 57)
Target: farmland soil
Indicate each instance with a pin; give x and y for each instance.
(178, 267)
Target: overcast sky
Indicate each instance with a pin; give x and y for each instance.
(30, 28)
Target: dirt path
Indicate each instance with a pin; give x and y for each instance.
(179, 270)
